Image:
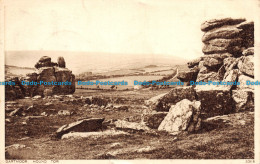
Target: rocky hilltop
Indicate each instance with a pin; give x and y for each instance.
(46, 71)
(228, 57)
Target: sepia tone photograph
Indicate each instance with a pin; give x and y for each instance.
(129, 79)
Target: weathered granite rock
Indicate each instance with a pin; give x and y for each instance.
(218, 56)
(245, 25)
(215, 23)
(45, 61)
(187, 76)
(205, 74)
(244, 99)
(227, 32)
(185, 115)
(230, 63)
(214, 100)
(61, 62)
(194, 62)
(230, 76)
(46, 75)
(85, 125)
(222, 46)
(249, 51)
(153, 120)
(163, 102)
(246, 65)
(242, 79)
(212, 63)
(247, 33)
(150, 102)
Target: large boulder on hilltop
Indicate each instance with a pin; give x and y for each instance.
(215, 100)
(246, 65)
(184, 116)
(227, 32)
(61, 62)
(45, 61)
(215, 23)
(222, 45)
(244, 99)
(164, 102)
(46, 76)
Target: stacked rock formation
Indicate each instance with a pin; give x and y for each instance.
(46, 71)
(228, 57)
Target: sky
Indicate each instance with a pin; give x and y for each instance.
(127, 27)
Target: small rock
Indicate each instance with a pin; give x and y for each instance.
(7, 120)
(16, 112)
(64, 113)
(147, 149)
(37, 97)
(121, 107)
(115, 145)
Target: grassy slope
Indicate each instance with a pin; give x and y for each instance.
(213, 142)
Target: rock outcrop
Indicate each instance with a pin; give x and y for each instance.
(48, 79)
(229, 61)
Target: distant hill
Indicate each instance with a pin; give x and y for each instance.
(150, 66)
(95, 62)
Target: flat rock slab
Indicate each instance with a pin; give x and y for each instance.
(215, 23)
(85, 125)
(125, 125)
(75, 135)
(236, 119)
(226, 32)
